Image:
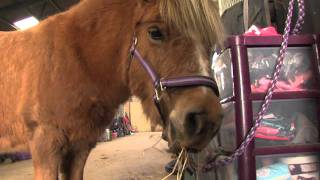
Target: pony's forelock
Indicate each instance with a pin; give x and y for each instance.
(196, 19)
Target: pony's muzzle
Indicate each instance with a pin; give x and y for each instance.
(196, 123)
(195, 120)
(199, 129)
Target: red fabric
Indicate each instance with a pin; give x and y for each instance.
(127, 122)
(263, 136)
(255, 31)
(269, 134)
(291, 85)
(267, 130)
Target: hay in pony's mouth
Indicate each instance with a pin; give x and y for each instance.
(180, 166)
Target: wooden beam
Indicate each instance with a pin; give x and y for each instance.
(19, 5)
(55, 5)
(2, 20)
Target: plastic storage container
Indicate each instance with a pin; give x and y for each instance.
(288, 167)
(291, 126)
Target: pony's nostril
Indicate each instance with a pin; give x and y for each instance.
(194, 123)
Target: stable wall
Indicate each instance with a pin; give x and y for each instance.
(135, 112)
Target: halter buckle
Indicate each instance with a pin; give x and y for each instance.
(159, 91)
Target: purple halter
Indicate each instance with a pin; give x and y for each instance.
(162, 84)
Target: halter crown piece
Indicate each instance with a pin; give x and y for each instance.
(162, 84)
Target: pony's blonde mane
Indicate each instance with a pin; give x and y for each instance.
(196, 19)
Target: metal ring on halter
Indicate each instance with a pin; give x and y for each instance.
(158, 94)
(159, 90)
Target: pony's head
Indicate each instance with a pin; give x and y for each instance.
(175, 38)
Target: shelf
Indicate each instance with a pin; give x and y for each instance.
(288, 95)
(267, 41)
(306, 94)
(287, 149)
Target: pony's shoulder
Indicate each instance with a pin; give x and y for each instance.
(8, 35)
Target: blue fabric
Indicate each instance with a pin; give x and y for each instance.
(278, 171)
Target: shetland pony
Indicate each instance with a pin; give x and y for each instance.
(62, 81)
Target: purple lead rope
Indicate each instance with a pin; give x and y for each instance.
(250, 136)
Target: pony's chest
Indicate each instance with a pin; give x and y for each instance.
(88, 116)
(99, 112)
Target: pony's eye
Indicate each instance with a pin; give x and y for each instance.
(156, 34)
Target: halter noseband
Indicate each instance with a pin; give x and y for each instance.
(161, 84)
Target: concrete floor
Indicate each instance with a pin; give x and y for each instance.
(129, 158)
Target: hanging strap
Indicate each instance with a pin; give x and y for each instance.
(267, 12)
(246, 14)
(246, 18)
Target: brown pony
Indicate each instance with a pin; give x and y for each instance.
(62, 81)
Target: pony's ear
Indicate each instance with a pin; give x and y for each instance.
(144, 2)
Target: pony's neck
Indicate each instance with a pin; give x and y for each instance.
(103, 33)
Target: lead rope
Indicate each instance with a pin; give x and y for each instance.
(250, 136)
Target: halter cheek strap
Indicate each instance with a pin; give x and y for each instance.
(162, 84)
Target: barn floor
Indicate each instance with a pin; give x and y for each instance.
(129, 158)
